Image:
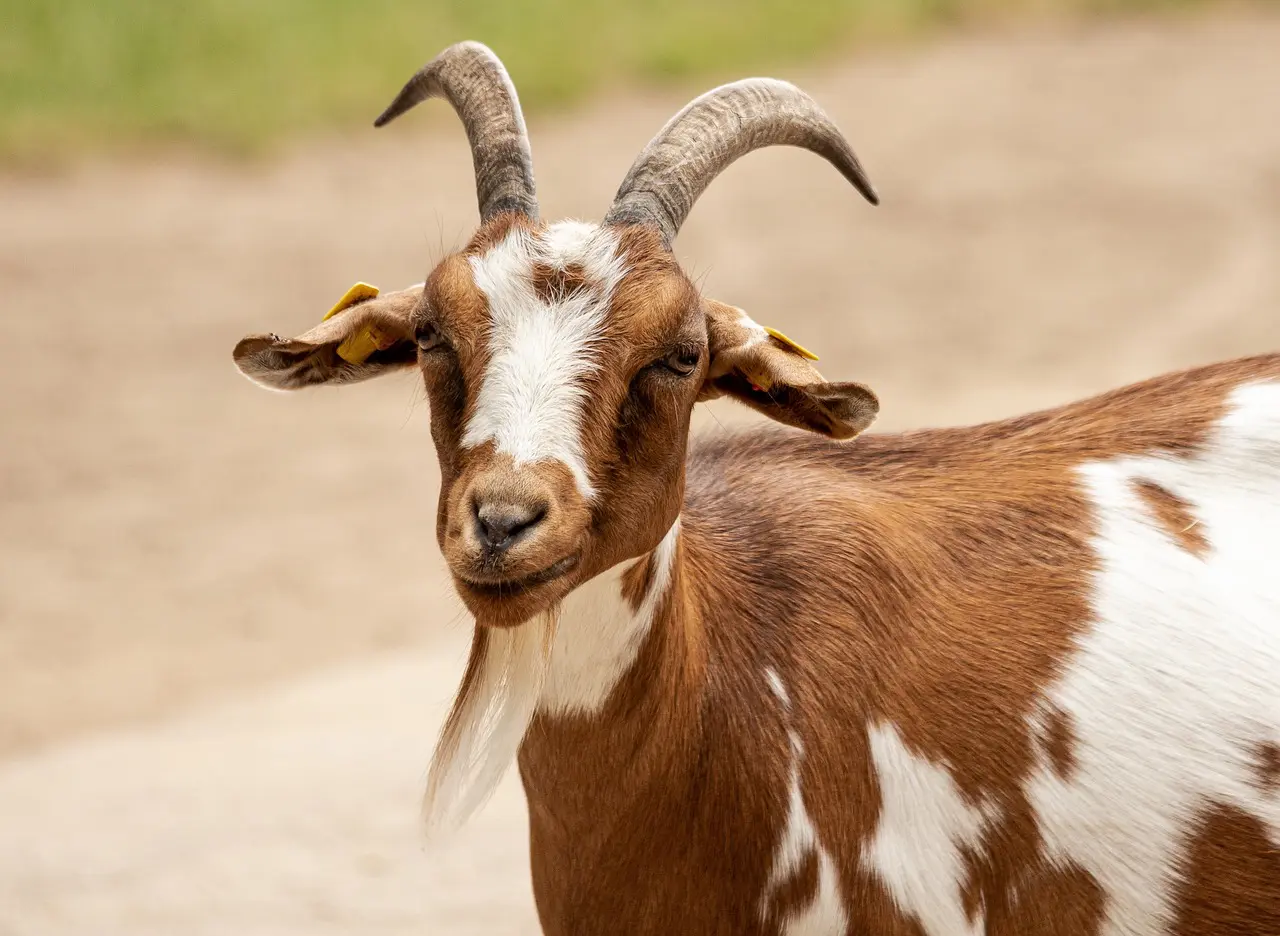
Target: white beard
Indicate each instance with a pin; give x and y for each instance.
(490, 715)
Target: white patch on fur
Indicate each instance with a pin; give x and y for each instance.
(532, 397)
(1178, 680)
(600, 635)
(924, 822)
(777, 688)
(824, 915)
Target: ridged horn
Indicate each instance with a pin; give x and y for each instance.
(475, 82)
(699, 142)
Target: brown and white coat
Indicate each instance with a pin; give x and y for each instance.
(1018, 679)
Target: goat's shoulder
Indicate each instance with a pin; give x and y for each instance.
(930, 553)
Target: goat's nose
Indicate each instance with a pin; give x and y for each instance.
(500, 526)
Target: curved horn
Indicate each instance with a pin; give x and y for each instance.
(475, 82)
(712, 131)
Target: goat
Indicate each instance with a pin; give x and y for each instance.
(1020, 678)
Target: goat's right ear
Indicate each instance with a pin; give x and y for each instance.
(365, 335)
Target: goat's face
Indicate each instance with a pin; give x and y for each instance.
(562, 363)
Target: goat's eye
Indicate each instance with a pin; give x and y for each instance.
(682, 361)
(429, 338)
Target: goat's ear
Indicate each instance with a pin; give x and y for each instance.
(365, 335)
(772, 374)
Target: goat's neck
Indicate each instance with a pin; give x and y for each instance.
(622, 678)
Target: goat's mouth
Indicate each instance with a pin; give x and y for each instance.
(502, 588)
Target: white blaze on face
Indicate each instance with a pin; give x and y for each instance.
(1177, 683)
(532, 398)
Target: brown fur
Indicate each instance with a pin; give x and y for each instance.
(1232, 875)
(1058, 742)
(1174, 514)
(1268, 756)
(793, 893)
(551, 284)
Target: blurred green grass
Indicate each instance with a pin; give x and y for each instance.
(240, 75)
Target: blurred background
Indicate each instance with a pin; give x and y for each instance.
(226, 637)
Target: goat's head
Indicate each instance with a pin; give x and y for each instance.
(562, 361)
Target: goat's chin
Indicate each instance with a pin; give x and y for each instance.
(510, 604)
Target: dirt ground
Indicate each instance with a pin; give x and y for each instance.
(226, 639)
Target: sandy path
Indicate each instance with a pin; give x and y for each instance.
(166, 830)
(1062, 213)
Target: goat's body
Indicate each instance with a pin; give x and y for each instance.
(1020, 679)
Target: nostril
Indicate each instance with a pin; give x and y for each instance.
(500, 526)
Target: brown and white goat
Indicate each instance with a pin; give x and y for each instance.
(1020, 679)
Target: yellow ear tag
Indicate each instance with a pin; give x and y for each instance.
(798, 349)
(357, 348)
(357, 293)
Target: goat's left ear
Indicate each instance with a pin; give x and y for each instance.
(365, 335)
(773, 375)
